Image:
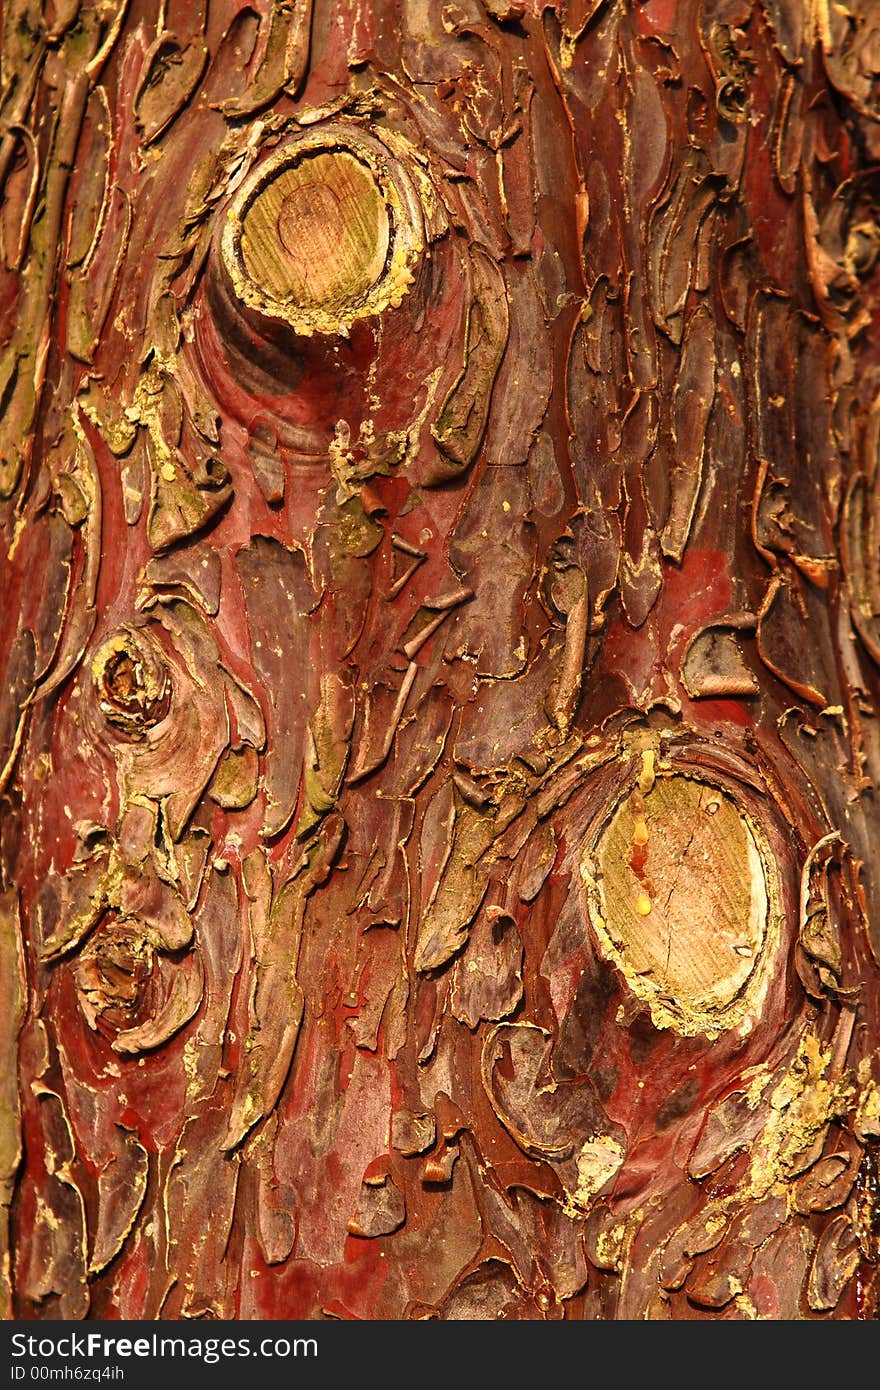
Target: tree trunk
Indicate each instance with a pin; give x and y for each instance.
(441, 628)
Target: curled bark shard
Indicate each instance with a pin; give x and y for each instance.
(835, 1261)
(714, 664)
(782, 626)
(381, 1209)
(285, 34)
(458, 892)
(122, 1186)
(92, 285)
(193, 574)
(412, 1134)
(327, 749)
(859, 556)
(14, 1003)
(560, 1122)
(462, 420)
(693, 395)
(276, 1016)
(171, 74)
(276, 1009)
(821, 959)
(279, 594)
(487, 982)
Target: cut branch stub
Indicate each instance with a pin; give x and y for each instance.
(135, 995)
(132, 682)
(682, 899)
(326, 231)
(318, 232)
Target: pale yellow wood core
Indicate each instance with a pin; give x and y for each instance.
(682, 894)
(318, 234)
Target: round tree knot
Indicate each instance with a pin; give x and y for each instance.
(325, 231)
(131, 682)
(680, 894)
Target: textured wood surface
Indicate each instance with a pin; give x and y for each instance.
(438, 466)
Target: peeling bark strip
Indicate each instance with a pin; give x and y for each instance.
(439, 750)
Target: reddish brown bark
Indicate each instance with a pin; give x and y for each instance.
(440, 631)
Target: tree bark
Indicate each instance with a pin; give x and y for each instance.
(441, 627)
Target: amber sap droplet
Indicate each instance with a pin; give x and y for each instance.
(638, 858)
(647, 774)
